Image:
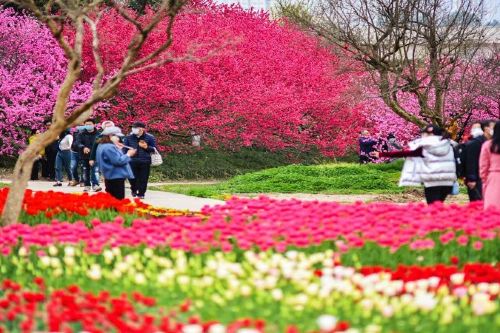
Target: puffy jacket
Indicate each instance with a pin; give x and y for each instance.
(85, 139)
(142, 155)
(113, 163)
(438, 167)
(435, 166)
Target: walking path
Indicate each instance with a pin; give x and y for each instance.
(154, 198)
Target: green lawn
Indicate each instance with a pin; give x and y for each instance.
(339, 178)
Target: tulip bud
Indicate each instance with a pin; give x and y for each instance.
(326, 322)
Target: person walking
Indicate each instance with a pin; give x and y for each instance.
(145, 144)
(63, 158)
(85, 142)
(76, 157)
(38, 162)
(49, 162)
(489, 169)
(93, 152)
(113, 163)
(430, 161)
(366, 147)
(470, 160)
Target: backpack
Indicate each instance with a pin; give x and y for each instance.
(458, 153)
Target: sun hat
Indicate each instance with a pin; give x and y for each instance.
(113, 130)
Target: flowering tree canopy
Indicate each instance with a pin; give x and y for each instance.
(32, 68)
(270, 85)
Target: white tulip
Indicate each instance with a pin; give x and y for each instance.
(23, 252)
(108, 255)
(326, 322)
(183, 280)
(247, 330)
(245, 290)
(69, 261)
(45, 261)
(192, 329)
(457, 278)
(55, 262)
(277, 294)
(116, 251)
(95, 272)
(207, 280)
(139, 278)
(53, 250)
(434, 281)
(425, 301)
(292, 254)
(312, 289)
(148, 252)
(69, 251)
(494, 288)
(217, 328)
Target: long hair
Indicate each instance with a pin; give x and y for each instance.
(495, 145)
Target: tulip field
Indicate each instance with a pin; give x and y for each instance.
(79, 263)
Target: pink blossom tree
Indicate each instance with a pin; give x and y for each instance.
(272, 86)
(32, 69)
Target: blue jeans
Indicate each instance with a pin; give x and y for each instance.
(63, 160)
(75, 164)
(90, 173)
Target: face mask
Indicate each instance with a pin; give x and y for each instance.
(135, 130)
(115, 139)
(89, 128)
(476, 131)
(492, 131)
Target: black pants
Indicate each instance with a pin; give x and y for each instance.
(48, 165)
(476, 194)
(437, 193)
(36, 169)
(139, 185)
(115, 187)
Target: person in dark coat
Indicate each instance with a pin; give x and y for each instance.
(470, 160)
(49, 162)
(366, 147)
(145, 144)
(84, 144)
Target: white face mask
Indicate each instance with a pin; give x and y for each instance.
(135, 130)
(115, 139)
(492, 131)
(476, 131)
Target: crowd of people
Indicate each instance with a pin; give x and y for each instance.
(437, 162)
(86, 152)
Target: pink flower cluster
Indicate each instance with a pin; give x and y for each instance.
(269, 223)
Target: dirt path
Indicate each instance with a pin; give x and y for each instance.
(351, 198)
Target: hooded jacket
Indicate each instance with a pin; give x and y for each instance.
(438, 167)
(430, 161)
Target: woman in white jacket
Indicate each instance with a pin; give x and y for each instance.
(431, 162)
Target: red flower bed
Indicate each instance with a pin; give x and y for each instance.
(473, 272)
(52, 203)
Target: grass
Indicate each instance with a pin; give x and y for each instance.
(218, 164)
(339, 178)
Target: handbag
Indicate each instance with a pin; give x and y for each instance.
(156, 158)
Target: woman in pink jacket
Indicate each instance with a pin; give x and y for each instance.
(489, 167)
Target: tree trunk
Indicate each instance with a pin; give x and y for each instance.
(22, 173)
